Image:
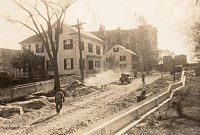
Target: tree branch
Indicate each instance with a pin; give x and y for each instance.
(50, 28)
(30, 14)
(46, 44)
(17, 21)
(38, 12)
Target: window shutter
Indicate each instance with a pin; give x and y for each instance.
(47, 65)
(42, 47)
(72, 63)
(65, 66)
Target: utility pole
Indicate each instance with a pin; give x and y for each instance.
(78, 26)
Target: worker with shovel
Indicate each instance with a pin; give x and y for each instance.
(59, 99)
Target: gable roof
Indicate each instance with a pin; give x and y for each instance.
(35, 38)
(84, 33)
(31, 39)
(128, 50)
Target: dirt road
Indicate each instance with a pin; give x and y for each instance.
(76, 114)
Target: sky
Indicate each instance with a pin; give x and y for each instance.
(172, 18)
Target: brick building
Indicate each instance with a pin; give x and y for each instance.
(178, 60)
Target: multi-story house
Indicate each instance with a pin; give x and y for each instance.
(141, 40)
(119, 57)
(69, 54)
(6, 55)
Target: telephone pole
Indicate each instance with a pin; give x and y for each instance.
(78, 26)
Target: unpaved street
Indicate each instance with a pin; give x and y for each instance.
(77, 114)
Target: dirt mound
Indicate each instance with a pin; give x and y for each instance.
(78, 88)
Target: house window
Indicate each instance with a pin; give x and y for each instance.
(68, 63)
(97, 64)
(24, 47)
(39, 48)
(83, 63)
(28, 47)
(122, 66)
(49, 66)
(68, 44)
(90, 47)
(98, 50)
(122, 58)
(90, 63)
(82, 45)
(115, 49)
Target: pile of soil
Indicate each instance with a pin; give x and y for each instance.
(78, 89)
(75, 89)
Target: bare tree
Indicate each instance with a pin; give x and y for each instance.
(147, 50)
(111, 62)
(53, 14)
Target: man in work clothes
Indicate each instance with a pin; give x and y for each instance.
(59, 99)
(142, 96)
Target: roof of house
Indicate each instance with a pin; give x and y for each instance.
(35, 38)
(85, 33)
(128, 50)
(30, 39)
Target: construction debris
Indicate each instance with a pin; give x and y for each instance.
(8, 111)
(31, 104)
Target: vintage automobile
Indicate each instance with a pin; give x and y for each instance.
(125, 78)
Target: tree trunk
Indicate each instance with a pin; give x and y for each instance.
(56, 75)
(30, 71)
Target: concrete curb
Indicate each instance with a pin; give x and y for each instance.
(124, 130)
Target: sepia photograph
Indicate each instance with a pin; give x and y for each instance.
(99, 67)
